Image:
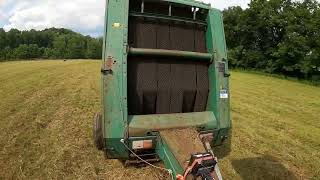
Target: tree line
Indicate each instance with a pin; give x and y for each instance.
(275, 36)
(50, 43)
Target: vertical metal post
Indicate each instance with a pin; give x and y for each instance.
(219, 82)
(142, 6)
(169, 9)
(114, 84)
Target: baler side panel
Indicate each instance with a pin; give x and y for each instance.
(218, 102)
(114, 78)
(102, 64)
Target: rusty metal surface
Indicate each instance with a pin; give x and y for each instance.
(109, 63)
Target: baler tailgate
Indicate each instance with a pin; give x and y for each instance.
(164, 69)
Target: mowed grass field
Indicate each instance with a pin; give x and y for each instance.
(47, 107)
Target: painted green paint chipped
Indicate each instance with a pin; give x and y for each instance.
(140, 125)
(168, 158)
(218, 81)
(114, 80)
(116, 122)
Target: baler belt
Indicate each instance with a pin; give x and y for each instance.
(183, 88)
(163, 36)
(202, 88)
(172, 36)
(158, 85)
(164, 84)
(182, 38)
(145, 35)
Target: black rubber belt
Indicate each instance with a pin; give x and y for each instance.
(166, 85)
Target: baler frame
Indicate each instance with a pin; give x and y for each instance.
(117, 126)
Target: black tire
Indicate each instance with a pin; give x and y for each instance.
(97, 131)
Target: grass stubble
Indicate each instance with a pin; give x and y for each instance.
(46, 111)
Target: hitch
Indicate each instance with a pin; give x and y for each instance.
(202, 165)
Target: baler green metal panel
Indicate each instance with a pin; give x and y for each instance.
(219, 75)
(114, 78)
(141, 125)
(168, 158)
(117, 123)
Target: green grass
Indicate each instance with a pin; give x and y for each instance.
(280, 76)
(276, 129)
(46, 111)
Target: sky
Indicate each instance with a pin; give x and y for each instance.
(84, 16)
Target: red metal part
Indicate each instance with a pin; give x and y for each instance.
(200, 160)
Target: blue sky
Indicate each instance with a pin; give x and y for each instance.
(84, 16)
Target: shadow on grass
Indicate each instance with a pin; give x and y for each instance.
(265, 167)
(224, 149)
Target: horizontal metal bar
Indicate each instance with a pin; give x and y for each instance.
(188, 3)
(164, 17)
(172, 53)
(143, 155)
(140, 125)
(131, 162)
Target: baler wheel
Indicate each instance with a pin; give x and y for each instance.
(97, 131)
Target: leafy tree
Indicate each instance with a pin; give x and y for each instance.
(75, 47)
(50, 43)
(276, 36)
(35, 51)
(93, 50)
(60, 46)
(21, 52)
(13, 38)
(2, 39)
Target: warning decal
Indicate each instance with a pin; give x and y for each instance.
(223, 94)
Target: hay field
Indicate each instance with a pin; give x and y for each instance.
(46, 111)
